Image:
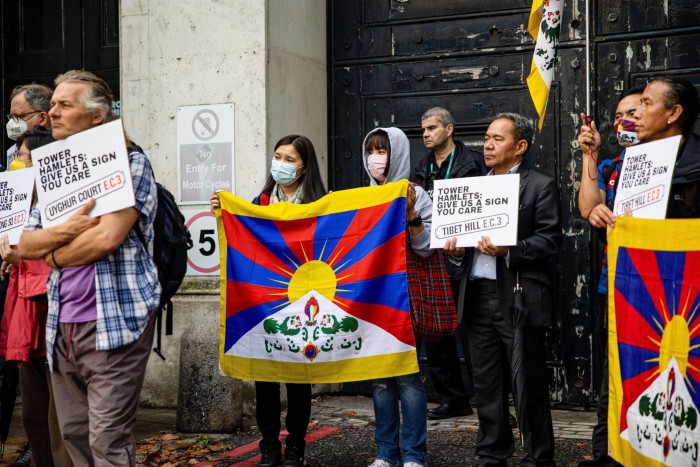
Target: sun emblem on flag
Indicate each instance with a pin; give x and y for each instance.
(657, 311)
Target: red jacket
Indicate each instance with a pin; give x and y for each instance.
(23, 329)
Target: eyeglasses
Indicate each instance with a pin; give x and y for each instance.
(20, 117)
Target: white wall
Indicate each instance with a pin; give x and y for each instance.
(266, 57)
(296, 73)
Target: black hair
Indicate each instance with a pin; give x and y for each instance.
(380, 140)
(35, 138)
(631, 92)
(523, 128)
(312, 184)
(681, 92)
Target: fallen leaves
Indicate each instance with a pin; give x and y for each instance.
(170, 450)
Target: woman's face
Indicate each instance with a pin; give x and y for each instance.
(24, 155)
(653, 117)
(288, 154)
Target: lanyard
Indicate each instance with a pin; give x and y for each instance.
(449, 166)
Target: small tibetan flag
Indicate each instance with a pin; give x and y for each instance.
(544, 25)
(316, 293)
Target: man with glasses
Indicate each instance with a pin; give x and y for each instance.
(447, 159)
(29, 107)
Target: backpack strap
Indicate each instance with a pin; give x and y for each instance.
(169, 305)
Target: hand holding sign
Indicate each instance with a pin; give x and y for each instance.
(78, 223)
(486, 247)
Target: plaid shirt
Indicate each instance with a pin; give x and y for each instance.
(126, 281)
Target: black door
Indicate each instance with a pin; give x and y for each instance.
(391, 60)
(43, 38)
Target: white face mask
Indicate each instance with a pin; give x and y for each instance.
(376, 163)
(17, 129)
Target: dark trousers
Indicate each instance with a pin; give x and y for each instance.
(444, 365)
(446, 370)
(39, 415)
(268, 410)
(599, 438)
(491, 340)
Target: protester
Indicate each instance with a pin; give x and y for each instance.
(103, 292)
(446, 159)
(294, 177)
(492, 273)
(23, 329)
(386, 158)
(596, 194)
(29, 107)
(668, 108)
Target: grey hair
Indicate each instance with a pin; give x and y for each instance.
(37, 96)
(98, 100)
(522, 127)
(441, 114)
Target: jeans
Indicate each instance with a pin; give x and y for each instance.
(386, 395)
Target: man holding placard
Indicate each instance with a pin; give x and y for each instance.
(447, 159)
(103, 290)
(493, 271)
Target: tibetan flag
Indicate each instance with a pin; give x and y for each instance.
(544, 25)
(654, 341)
(316, 293)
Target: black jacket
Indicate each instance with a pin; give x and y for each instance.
(685, 187)
(539, 238)
(467, 163)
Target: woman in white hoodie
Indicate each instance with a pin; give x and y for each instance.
(386, 158)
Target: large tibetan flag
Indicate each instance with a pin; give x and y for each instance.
(316, 293)
(544, 25)
(654, 341)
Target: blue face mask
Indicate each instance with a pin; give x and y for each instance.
(283, 173)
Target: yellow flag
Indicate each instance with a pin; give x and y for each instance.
(544, 25)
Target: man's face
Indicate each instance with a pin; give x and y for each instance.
(627, 108)
(501, 150)
(435, 134)
(653, 116)
(68, 114)
(19, 107)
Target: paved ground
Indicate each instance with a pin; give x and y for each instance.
(341, 434)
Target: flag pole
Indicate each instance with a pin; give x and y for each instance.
(588, 58)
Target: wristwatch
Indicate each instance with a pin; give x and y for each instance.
(416, 221)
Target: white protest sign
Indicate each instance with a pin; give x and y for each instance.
(91, 164)
(15, 201)
(645, 180)
(473, 207)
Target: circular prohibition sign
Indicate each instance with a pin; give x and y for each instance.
(203, 270)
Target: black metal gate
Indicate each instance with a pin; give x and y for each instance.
(42, 38)
(391, 60)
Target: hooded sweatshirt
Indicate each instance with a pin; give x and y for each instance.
(400, 168)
